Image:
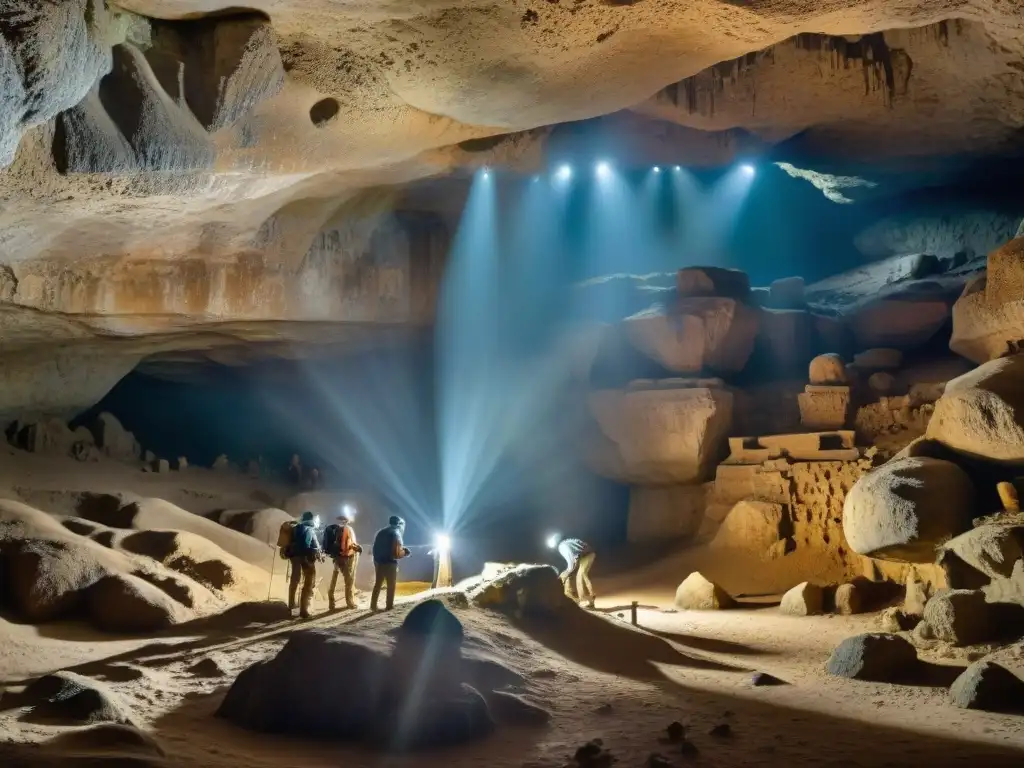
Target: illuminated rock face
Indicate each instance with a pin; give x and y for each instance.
(660, 435)
(988, 318)
(173, 168)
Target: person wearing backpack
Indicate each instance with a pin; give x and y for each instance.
(341, 546)
(388, 549)
(304, 553)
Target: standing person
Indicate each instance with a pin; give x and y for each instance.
(388, 549)
(579, 558)
(295, 470)
(341, 546)
(304, 554)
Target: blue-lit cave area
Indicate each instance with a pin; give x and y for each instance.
(552, 384)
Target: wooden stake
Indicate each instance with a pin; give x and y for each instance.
(632, 613)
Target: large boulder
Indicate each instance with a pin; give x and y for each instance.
(659, 435)
(752, 525)
(524, 589)
(287, 693)
(50, 437)
(787, 293)
(696, 334)
(115, 441)
(907, 507)
(875, 657)
(261, 524)
(989, 315)
(981, 414)
(960, 617)
(988, 686)
(899, 322)
(697, 593)
(127, 604)
(712, 281)
(992, 550)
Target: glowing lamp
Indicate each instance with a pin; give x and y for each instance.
(564, 173)
(552, 540)
(657, 169)
(748, 169)
(677, 169)
(348, 511)
(603, 169)
(442, 542)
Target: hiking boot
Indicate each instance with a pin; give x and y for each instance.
(331, 607)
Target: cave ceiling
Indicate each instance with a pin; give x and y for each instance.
(177, 167)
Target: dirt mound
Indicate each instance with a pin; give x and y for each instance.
(261, 524)
(524, 589)
(73, 699)
(157, 514)
(107, 739)
(199, 559)
(124, 603)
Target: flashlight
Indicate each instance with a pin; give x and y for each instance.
(553, 540)
(442, 542)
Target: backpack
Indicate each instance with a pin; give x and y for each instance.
(284, 538)
(384, 545)
(332, 540)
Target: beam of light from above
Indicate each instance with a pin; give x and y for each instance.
(500, 363)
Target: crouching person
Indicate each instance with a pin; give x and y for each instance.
(579, 558)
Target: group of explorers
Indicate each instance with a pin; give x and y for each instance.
(301, 544)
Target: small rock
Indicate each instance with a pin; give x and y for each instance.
(804, 599)
(960, 616)
(149, 457)
(1008, 495)
(182, 464)
(827, 370)
(916, 596)
(207, 667)
(163, 466)
(655, 760)
(721, 731)
(763, 678)
(221, 463)
(675, 732)
(697, 593)
(849, 599)
(874, 656)
(896, 620)
(988, 686)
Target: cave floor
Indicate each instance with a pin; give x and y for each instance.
(700, 675)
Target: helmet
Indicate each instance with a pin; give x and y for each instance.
(396, 522)
(307, 517)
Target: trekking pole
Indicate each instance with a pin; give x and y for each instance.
(273, 563)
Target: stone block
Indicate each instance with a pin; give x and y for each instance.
(824, 407)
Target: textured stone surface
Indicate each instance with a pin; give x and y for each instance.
(904, 509)
(804, 599)
(989, 315)
(660, 512)
(988, 686)
(659, 436)
(827, 370)
(960, 617)
(981, 414)
(696, 334)
(696, 593)
(876, 657)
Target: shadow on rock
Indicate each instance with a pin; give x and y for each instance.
(421, 692)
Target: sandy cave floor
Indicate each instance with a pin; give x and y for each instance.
(692, 667)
